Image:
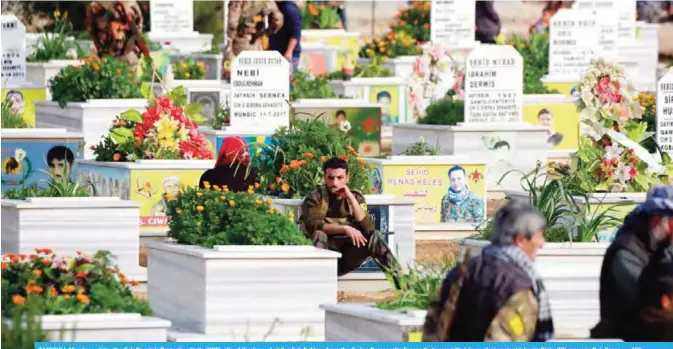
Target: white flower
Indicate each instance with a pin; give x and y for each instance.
(623, 173)
(71, 53)
(19, 155)
(613, 152)
(345, 126)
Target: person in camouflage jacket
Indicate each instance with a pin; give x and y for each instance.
(335, 217)
(244, 19)
(115, 28)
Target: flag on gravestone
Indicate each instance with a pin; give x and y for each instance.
(665, 113)
(494, 85)
(13, 50)
(573, 37)
(452, 23)
(260, 92)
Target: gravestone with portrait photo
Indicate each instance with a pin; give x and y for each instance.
(13, 50)
(260, 92)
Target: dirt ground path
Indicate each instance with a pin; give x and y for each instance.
(372, 18)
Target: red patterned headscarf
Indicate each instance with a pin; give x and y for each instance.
(233, 149)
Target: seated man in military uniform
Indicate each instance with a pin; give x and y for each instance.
(335, 217)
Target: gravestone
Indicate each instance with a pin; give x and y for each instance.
(607, 18)
(573, 37)
(452, 23)
(13, 50)
(665, 113)
(493, 85)
(621, 13)
(260, 92)
(171, 16)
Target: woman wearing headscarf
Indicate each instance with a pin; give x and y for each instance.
(232, 167)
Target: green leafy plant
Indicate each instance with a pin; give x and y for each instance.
(189, 70)
(290, 166)
(535, 53)
(216, 216)
(165, 131)
(25, 328)
(414, 20)
(221, 117)
(54, 44)
(10, 119)
(308, 87)
(391, 45)
(418, 286)
(373, 69)
(319, 16)
(105, 78)
(648, 101)
(422, 148)
(444, 111)
(67, 285)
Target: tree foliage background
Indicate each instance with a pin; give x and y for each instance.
(208, 15)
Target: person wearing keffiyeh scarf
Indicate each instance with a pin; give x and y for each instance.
(497, 296)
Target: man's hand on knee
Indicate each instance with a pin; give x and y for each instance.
(356, 236)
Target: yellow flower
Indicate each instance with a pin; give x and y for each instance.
(206, 184)
(232, 203)
(178, 211)
(217, 188)
(57, 13)
(222, 197)
(268, 201)
(250, 191)
(200, 208)
(225, 189)
(258, 202)
(199, 194)
(291, 214)
(256, 185)
(187, 75)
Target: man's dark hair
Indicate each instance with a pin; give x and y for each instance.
(340, 112)
(383, 94)
(543, 111)
(60, 152)
(335, 163)
(501, 144)
(456, 168)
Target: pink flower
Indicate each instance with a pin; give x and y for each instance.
(622, 111)
(437, 53)
(608, 91)
(418, 66)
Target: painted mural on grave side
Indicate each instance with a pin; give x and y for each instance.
(149, 187)
(23, 101)
(561, 119)
(445, 193)
(29, 162)
(362, 124)
(388, 97)
(107, 181)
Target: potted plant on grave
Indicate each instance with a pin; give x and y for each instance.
(401, 315)
(87, 97)
(54, 51)
(255, 248)
(151, 153)
(68, 201)
(78, 298)
(321, 17)
(290, 166)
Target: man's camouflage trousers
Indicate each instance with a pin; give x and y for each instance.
(352, 257)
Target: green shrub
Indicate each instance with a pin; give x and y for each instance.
(445, 111)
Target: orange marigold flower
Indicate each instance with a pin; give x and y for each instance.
(37, 272)
(54, 291)
(81, 275)
(68, 289)
(18, 299)
(323, 158)
(45, 262)
(38, 289)
(32, 282)
(344, 157)
(361, 160)
(116, 157)
(308, 155)
(283, 168)
(83, 299)
(285, 187)
(278, 180)
(134, 283)
(294, 164)
(4, 265)
(301, 162)
(272, 187)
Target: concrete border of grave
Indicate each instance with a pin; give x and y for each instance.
(40, 73)
(92, 118)
(400, 229)
(429, 166)
(144, 182)
(571, 272)
(365, 323)
(109, 327)
(224, 293)
(553, 102)
(469, 140)
(69, 224)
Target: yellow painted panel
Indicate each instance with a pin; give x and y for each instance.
(23, 99)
